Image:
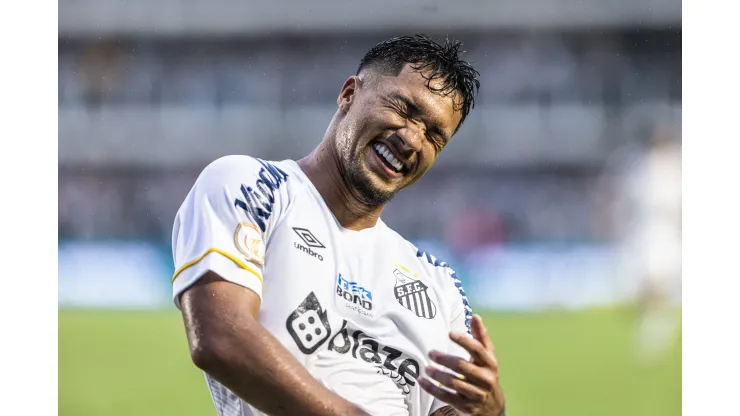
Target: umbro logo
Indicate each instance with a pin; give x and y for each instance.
(310, 241)
(308, 237)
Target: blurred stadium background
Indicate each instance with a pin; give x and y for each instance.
(547, 202)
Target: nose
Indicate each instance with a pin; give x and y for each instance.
(411, 137)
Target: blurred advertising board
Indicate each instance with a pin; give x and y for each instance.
(531, 277)
(126, 274)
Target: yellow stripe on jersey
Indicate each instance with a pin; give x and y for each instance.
(221, 252)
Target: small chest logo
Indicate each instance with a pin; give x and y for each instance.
(248, 240)
(413, 294)
(358, 298)
(310, 241)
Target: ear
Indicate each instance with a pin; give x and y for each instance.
(348, 95)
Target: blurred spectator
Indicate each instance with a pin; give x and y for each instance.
(101, 71)
(524, 202)
(644, 211)
(474, 227)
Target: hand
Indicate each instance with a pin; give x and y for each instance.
(477, 390)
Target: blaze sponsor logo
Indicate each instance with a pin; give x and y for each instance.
(309, 326)
(397, 365)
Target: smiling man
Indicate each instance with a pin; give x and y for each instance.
(296, 296)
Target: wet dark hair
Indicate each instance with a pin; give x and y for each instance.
(433, 60)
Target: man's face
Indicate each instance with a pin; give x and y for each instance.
(393, 131)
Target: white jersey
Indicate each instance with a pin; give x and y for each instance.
(653, 189)
(359, 309)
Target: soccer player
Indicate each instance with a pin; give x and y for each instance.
(643, 188)
(298, 299)
(653, 241)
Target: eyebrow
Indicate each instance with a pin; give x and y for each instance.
(434, 127)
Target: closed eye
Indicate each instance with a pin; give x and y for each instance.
(401, 109)
(436, 141)
(435, 134)
(407, 109)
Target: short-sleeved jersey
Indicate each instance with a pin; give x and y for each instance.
(359, 309)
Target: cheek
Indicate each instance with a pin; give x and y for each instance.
(428, 164)
(374, 125)
(379, 118)
(360, 123)
(350, 131)
(426, 161)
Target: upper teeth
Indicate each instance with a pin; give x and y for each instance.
(383, 151)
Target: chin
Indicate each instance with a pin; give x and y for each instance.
(371, 188)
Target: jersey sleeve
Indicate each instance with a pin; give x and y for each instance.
(225, 223)
(460, 322)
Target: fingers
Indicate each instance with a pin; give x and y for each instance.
(458, 384)
(477, 350)
(470, 386)
(479, 332)
(482, 377)
(446, 396)
(477, 328)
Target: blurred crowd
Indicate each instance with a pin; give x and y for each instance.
(505, 206)
(546, 68)
(462, 207)
(479, 205)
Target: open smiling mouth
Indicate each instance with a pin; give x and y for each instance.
(388, 159)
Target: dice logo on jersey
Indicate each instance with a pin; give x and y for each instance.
(413, 294)
(248, 240)
(309, 325)
(357, 297)
(310, 240)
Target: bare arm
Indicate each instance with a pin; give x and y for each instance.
(228, 343)
(450, 411)
(446, 411)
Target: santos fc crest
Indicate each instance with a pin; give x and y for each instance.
(412, 294)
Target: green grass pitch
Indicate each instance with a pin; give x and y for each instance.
(118, 363)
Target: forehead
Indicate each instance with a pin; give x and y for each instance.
(415, 86)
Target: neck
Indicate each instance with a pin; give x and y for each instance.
(323, 169)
